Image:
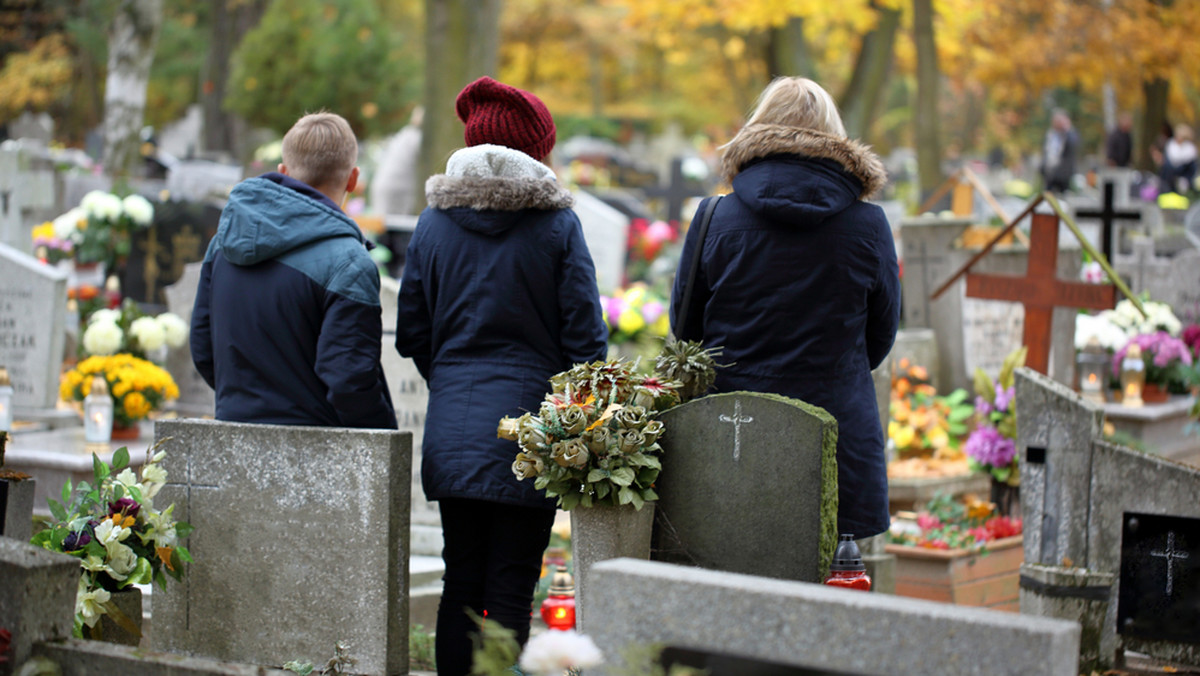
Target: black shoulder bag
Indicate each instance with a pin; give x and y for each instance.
(705, 219)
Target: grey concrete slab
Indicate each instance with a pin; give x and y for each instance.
(37, 597)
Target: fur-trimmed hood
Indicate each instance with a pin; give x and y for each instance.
(495, 178)
(764, 140)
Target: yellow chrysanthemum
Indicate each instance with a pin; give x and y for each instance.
(136, 405)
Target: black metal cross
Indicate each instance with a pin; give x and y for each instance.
(1108, 214)
(676, 191)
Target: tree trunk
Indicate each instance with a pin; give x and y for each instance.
(860, 101)
(787, 51)
(1155, 92)
(461, 44)
(132, 37)
(225, 132)
(929, 152)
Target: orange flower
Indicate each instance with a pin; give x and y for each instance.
(164, 555)
(919, 372)
(902, 387)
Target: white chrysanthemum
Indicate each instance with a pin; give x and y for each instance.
(102, 205)
(148, 333)
(1111, 336)
(138, 209)
(552, 653)
(175, 329)
(102, 338)
(68, 224)
(121, 560)
(105, 315)
(90, 604)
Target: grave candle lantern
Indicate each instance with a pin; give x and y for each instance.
(6, 395)
(848, 570)
(1133, 377)
(98, 413)
(558, 610)
(1090, 365)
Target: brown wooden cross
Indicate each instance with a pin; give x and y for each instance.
(1040, 290)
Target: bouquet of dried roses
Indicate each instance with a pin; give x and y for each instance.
(594, 440)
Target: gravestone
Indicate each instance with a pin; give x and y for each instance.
(199, 180)
(1078, 496)
(37, 597)
(301, 539)
(742, 473)
(606, 231)
(410, 398)
(920, 348)
(196, 398)
(16, 507)
(1174, 280)
(813, 629)
(1160, 578)
(21, 190)
(33, 308)
(38, 127)
(178, 235)
(971, 332)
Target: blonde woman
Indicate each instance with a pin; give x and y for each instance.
(798, 279)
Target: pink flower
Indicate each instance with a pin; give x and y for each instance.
(928, 522)
(651, 311)
(659, 232)
(989, 447)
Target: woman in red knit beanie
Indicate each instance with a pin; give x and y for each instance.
(498, 294)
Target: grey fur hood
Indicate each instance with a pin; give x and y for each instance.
(763, 140)
(495, 178)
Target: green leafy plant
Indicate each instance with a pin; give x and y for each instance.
(422, 655)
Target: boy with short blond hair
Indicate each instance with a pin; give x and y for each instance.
(286, 326)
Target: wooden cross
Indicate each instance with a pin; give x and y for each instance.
(1040, 290)
(1108, 214)
(676, 191)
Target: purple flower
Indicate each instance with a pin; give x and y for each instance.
(989, 447)
(1159, 347)
(613, 306)
(982, 406)
(78, 540)
(651, 311)
(126, 506)
(1004, 397)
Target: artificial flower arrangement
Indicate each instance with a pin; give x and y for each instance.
(1168, 361)
(127, 329)
(112, 526)
(992, 445)
(925, 429)
(137, 386)
(1113, 328)
(646, 241)
(594, 440)
(946, 523)
(49, 247)
(99, 227)
(635, 313)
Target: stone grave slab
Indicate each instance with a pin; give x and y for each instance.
(16, 508)
(1160, 578)
(606, 231)
(179, 235)
(33, 308)
(1161, 428)
(1174, 280)
(301, 540)
(814, 629)
(742, 473)
(78, 657)
(196, 398)
(37, 598)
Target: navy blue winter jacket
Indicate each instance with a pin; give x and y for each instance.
(798, 282)
(498, 294)
(287, 326)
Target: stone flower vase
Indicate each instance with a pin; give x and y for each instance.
(129, 602)
(606, 532)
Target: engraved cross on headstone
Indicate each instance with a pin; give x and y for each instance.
(1170, 554)
(737, 421)
(188, 485)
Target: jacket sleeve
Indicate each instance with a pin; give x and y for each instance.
(201, 338)
(883, 302)
(349, 345)
(700, 293)
(584, 337)
(414, 321)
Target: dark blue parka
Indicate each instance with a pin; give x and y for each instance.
(798, 282)
(287, 326)
(498, 294)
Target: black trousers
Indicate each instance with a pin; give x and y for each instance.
(493, 555)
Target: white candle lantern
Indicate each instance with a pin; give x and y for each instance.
(98, 413)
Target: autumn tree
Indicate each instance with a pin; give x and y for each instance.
(132, 37)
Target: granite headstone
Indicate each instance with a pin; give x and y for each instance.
(33, 307)
(179, 235)
(301, 539)
(1174, 280)
(743, 472)
(196, 398)
(606, 231)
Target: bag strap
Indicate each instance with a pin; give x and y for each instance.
(694, 268)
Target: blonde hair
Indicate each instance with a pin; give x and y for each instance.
(320, 150)
(797, 102)
(1183, 132)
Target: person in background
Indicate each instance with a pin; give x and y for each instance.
(287, 325)
(498, 295)
(395, 182)
(1178, 169)
(798, 280)
(1060, 151)
(1118, 147)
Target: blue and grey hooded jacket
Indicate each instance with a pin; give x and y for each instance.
(287, 326)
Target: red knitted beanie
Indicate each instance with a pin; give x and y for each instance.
(498, 114)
